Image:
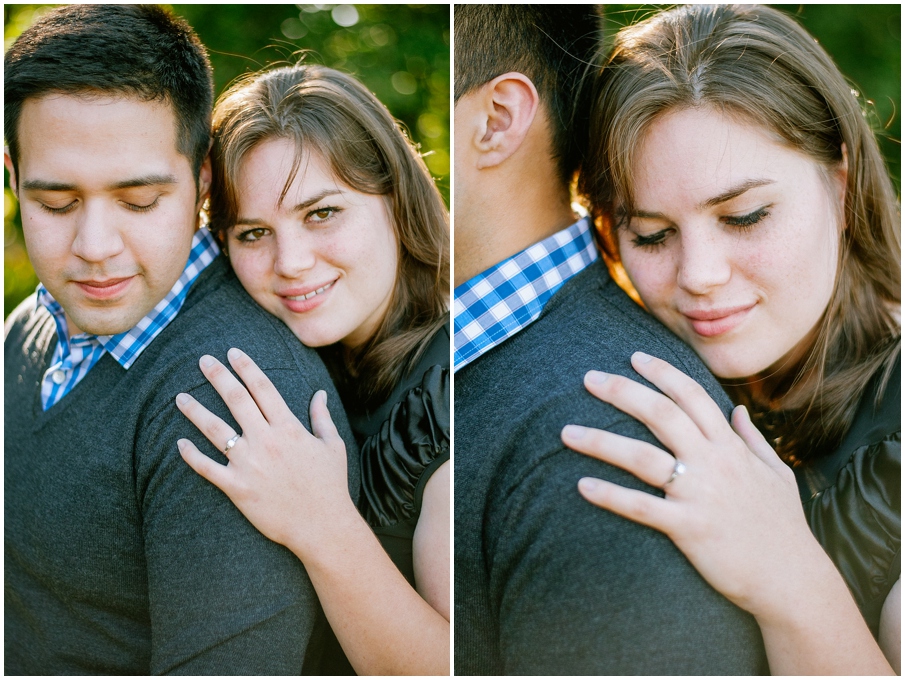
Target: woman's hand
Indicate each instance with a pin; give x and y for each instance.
(731, 504)
(290, 484)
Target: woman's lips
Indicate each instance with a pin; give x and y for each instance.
(105, 290)
(304, 300)
(710, 323)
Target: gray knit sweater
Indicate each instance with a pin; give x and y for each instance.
(118, 557)
(546, 583)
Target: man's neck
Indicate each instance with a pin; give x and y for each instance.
(492, 230)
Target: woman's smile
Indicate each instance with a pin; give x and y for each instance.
(713, 322)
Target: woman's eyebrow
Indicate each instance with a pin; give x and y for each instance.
(737, 190)
(314, 199)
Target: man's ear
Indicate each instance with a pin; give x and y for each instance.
(8, 162)
(508, 107)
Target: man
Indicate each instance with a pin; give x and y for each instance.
(119, 558)
(546, 583)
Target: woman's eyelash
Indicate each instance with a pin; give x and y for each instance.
(651, 240)
(331, 211)
(250, 235)
(748, 220)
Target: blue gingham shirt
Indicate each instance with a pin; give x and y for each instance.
(496, 304)
(75, 356)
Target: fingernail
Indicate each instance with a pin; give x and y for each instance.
(588, 484)
(234, 354)
(323, 394)
(180, 444)
(574, 431)
(596, 377)
(182, 398)
(641, 357)
(207, 361)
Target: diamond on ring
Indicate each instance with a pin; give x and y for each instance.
(676, 471)
(232, 442)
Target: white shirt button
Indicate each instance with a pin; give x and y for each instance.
(59, 377)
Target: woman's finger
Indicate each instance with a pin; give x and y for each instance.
(321, 423)
(217, 432)
(234, 395)
(685, 392)
(266, 396)
(754, 440)
(638, 506)
(211, 470)
(648, 463)
(669, 423)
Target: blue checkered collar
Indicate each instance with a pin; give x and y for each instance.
(127, 346)
(499, 302)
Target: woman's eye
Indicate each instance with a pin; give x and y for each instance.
(251, 235)
(58, 211)
(746, 221)
(322, 214)
(650, 241)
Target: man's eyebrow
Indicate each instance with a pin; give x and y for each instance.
(144, 181)
(45, 185)
(727, 195)
(737, 190)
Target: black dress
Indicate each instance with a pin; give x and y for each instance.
(852, 498)
(402, 442)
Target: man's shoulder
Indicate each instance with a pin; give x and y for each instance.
(590, 323)
(218, 315)
(25, 317)
(28, 333)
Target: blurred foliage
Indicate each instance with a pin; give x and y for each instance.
(400, 52)
(864, 41)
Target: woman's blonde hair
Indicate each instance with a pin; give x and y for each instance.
(759, 65)
(331, 114)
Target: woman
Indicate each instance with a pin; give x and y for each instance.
(333, 224)
(736, 181)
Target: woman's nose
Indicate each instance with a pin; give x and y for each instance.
(295, 255)
(705, 263)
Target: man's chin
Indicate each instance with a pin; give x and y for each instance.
(102, 324)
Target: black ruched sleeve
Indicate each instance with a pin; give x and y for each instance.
(410, 445)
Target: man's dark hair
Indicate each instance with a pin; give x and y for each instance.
(552, 45)
(136, 50)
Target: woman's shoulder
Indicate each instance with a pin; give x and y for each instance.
(409, 444)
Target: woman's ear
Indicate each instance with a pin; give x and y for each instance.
(508, 106)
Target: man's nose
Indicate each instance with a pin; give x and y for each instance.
(98, 236)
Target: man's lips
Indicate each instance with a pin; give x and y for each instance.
(104, 289)
(712, 322)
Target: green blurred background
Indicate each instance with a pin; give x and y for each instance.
(400, 52)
